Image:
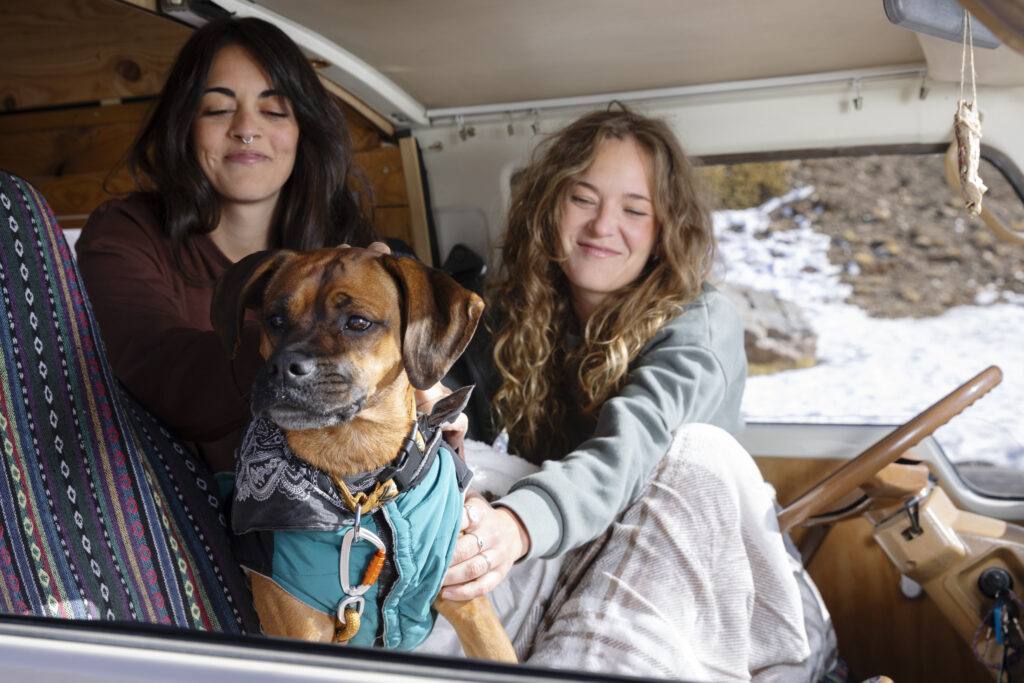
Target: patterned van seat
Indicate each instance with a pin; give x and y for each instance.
(105, 515)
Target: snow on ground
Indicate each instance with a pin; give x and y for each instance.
(873, 370)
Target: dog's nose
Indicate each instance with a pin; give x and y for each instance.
(294, 368)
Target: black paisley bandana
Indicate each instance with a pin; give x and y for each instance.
(275, 490)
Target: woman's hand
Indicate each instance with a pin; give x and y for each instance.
(492, 540)
(375, 249)
(455, 431)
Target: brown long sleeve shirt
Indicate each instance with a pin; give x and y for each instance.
(156, 326)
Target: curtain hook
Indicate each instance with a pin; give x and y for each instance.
(858, 99)
(465, 132)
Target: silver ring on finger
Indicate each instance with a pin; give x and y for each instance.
(479, 541)
(487, 560)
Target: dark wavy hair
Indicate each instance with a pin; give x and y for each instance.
(319, 205)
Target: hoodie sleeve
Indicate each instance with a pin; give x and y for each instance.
(693, 370)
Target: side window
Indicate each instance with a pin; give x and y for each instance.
(869, 293)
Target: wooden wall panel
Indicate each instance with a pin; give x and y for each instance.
(65, 141)
(793, 476)
(382, 168)
(73, 197)
(416, 195)
(880, 631)
(363, 133)
(61, 151)
(393, 221)
(73, 156)
(57, 52)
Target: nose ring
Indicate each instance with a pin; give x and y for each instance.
(247, 140)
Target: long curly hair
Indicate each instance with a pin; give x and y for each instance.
(544, 376)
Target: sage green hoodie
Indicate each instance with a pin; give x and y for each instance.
(692, 370)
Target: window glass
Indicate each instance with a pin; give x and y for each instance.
(869, 293)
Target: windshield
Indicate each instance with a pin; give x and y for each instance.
(897, 295)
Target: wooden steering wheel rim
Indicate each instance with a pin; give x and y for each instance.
(887, 449)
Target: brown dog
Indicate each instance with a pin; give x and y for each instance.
(348, 334)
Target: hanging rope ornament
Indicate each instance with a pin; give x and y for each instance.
(967, 129)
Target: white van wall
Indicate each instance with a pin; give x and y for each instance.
(469, 178)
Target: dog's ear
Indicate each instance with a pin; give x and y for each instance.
(439, 317)
(241, 287)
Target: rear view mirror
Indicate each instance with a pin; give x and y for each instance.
(939, 18)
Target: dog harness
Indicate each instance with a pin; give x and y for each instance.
(326, 543)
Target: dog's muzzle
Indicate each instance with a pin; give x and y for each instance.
(298, 391)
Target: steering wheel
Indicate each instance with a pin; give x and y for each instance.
(886, 450)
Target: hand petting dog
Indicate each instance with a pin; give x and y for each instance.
(492, 540)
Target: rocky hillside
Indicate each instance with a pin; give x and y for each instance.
(902, 240)
(906, 245)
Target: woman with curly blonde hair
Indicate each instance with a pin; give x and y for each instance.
(645, 543)
(548, 272)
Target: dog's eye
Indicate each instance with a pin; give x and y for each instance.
(276, 322)
(357, 323)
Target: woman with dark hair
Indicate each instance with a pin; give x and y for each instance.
(244, 151)
(645, 543)
(316, 206)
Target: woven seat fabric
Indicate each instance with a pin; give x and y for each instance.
(105, 515)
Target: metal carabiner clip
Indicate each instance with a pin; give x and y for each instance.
(356, 528)
(357, 600)
(345, 556)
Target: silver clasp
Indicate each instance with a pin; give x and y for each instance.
(357, 600)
